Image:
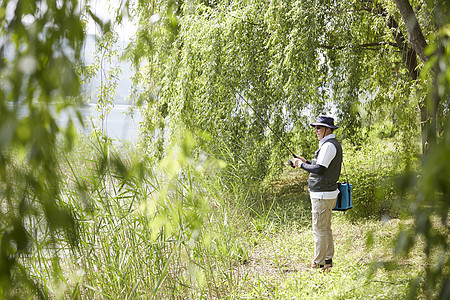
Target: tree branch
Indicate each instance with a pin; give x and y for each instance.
(408, 53)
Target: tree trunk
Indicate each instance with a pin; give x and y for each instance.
(428, 107)
(415, 35)
(408, 54)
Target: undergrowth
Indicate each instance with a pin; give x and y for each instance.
(180, 235)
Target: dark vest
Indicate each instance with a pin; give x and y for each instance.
(327, 182)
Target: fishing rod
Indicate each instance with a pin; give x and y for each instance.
(261, 118)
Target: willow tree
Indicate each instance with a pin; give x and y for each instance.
(290, 60)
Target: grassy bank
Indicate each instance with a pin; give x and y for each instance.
(279, 249)
(278, 266)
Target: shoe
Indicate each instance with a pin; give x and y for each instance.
(328, 265)
(316, 266)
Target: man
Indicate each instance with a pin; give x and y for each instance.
(324, 171)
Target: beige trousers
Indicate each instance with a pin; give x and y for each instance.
(321, 225)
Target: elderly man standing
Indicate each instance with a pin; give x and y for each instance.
(324, 170)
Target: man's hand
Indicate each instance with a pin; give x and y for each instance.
(298, 161)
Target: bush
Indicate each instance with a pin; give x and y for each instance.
(372, 170)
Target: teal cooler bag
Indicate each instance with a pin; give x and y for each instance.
(344, 200)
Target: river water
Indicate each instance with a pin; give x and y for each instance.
(119, 124)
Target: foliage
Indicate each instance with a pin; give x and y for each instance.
(104, 66)
(177, 222)
(140, 221)
(40, 44)
(290, 60)
(432, 184)
(167, 230)
(372, 170)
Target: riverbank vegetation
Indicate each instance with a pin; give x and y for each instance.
(204, 205)
(170, 230)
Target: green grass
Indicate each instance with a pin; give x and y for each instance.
(279, 265)
(179, 235)
(279, 248)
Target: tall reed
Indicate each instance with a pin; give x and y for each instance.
(146, 229)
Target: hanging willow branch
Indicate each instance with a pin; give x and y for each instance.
(366, 46)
